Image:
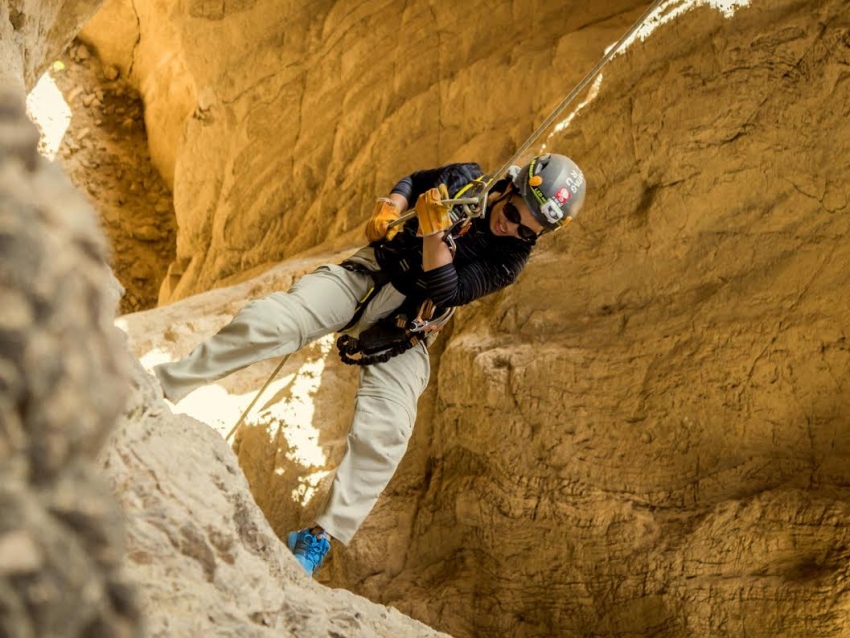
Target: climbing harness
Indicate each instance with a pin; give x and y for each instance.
(379, 343)
(478, 207)
(399, 333)
(390, 337)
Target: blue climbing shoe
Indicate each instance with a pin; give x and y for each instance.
(309, 550)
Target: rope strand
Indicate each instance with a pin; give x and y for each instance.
(481, 208)
(571, 96)
(256, 398)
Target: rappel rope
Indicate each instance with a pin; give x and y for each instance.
(257, 397)
(477, 206)
(480, 203)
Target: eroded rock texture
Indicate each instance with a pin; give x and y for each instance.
(648, 434)
(33, 32)
(652, 426)
(62, 384)
(197, 546)
(279, 122)
(200, 550)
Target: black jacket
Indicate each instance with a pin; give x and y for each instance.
(483, 263)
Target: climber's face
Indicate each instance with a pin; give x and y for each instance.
(510, 217)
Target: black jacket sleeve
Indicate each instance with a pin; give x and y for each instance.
(454, 176)
(452, 285)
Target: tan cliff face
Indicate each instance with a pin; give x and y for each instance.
(647, 434)
(278, 123)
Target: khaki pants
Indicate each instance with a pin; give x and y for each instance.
(385, 409)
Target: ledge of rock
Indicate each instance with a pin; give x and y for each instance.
(200, 551)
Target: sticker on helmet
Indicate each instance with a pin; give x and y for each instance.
(562, 195)
(552, 211)
(535, 180)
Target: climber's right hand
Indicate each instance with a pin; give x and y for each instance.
(378, 227)
(434, 216)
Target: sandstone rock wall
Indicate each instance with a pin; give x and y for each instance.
(198, 548)
(647, 434)
(279, 122)
(188, 552)
(200, 551)
(62, 384)
(651, 427)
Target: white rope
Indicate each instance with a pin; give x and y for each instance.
(482, 198)
(256, 398)
(572, 95)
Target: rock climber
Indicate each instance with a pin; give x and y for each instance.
(406, 276)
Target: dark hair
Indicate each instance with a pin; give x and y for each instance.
(502, 185)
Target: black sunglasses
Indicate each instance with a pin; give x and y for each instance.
(513, 216)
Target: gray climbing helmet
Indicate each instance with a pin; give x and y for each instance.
(553, 187)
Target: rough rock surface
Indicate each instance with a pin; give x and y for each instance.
(647, 435)
(105, 154)
(62, 385)
(197, 546)
(660, 408)
(200, 551)
(666, 412)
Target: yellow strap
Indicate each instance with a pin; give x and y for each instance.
(358, 311)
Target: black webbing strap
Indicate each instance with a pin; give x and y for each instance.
(379, 280)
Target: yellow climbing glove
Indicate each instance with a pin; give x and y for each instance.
(432, 213)
(378, 226)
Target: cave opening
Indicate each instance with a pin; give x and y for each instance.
(92, 124)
